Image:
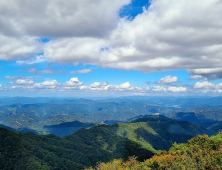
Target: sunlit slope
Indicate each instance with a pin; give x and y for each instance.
(199, 153)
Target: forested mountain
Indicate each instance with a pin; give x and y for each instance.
(199, 117)
(20, 130)
(213, 126)
(141, 137)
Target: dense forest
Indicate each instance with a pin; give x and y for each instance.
(142, 137)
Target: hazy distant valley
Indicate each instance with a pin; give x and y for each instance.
(57, 115)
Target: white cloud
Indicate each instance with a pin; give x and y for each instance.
(24, 23)
(170, 35)
(46, 18)
(74, 50)
(167, 80)
(122, 87)
(1, 87)
(47, 84)
(206, 87)
(126, 85)
(206, 71)
(169, 89)
(97, 86)
(14, 48)
(24, 82)
(158, 88)
(84, 71)
(204, 84)
(74, 84)
(195, 77)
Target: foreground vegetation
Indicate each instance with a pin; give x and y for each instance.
(199, 153)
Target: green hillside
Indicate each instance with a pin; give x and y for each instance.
(101, 143)
(213, 126)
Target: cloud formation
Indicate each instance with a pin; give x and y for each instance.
(24, 82)
(208, 73)
(167, 80)
(168, 35)
(164, 37)
(47, 84)
(206, 87)
(75, 85)
(17, 48)
(46, 18)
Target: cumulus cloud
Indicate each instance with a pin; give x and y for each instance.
(97, 86)
(1, 86)
(169, 89)
(123, 87)
(167, 36)
(208, 87)
(14, 48)
(74, 50)
(208, 73)
(24, 23)
(167, 80)
(46, 18)
(84, 71)
(47, 84)
(24, 82)
(205, 84)
(74, 84)
(159, 88)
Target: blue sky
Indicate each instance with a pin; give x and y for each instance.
(148, 48)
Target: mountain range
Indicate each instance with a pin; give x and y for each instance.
(142, 137)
